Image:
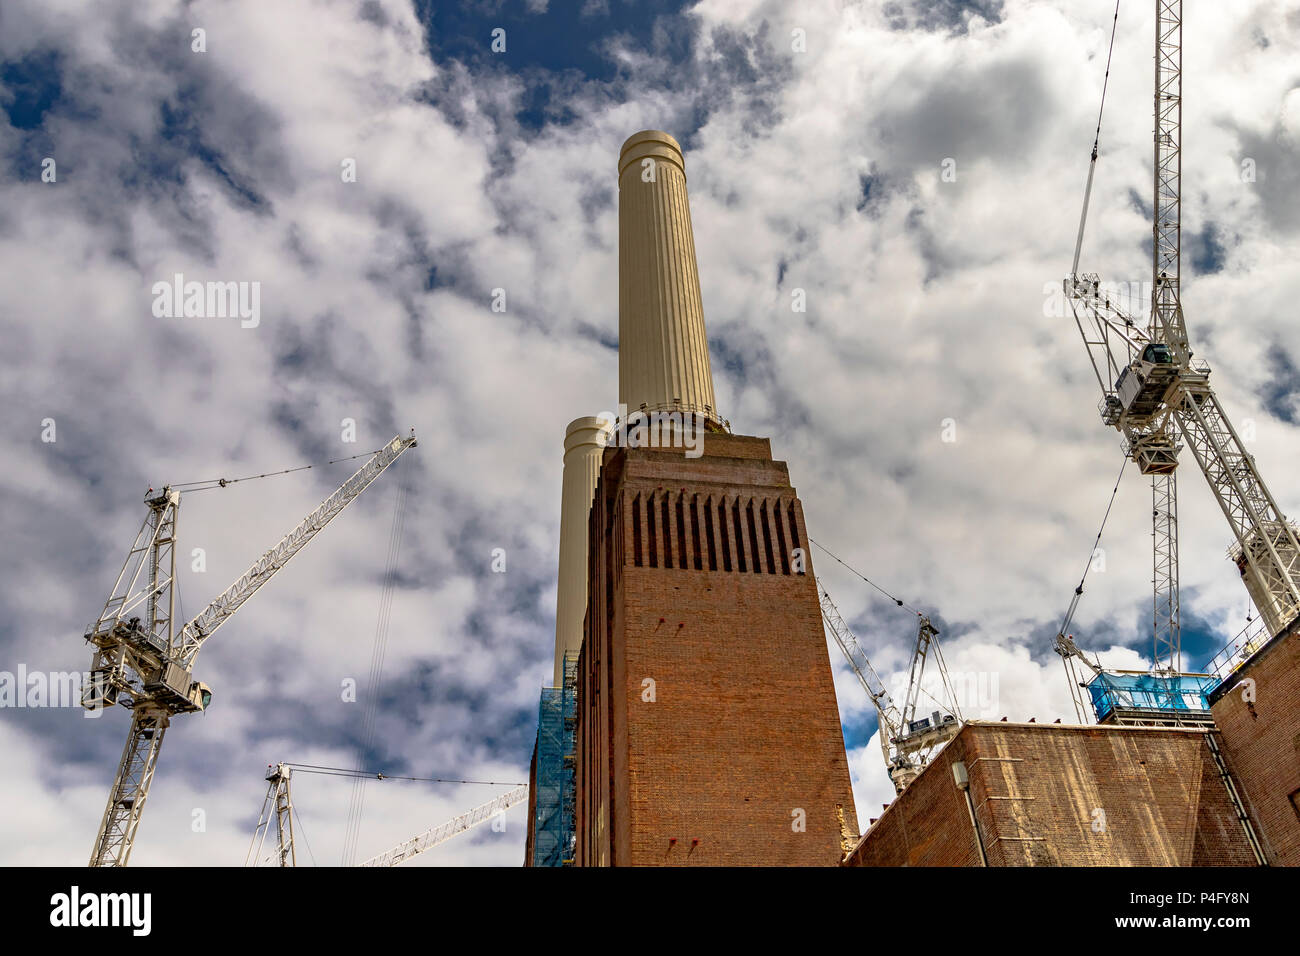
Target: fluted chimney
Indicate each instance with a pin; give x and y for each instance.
(584, 443)
(663, 354)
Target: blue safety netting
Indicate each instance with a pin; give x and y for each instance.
(1118, 690)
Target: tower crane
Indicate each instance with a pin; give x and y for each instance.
(145, 664)
(906, 742)
(1155, 393)
(277, 810)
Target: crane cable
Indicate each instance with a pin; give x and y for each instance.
(934, 639)
(1078, 591)
(379, 775)
(210, 483)
(1096, 140)
(897, 601)
(378, 651)
(303, 830)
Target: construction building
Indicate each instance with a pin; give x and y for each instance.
(1256, 709)
(708, 729)
(694, 720)
(1003, 794)
(705, 728)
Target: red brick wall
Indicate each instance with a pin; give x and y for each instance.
(1057, 795)
(739, 758)
(1261, 743)
(928, 826)
(532, 808)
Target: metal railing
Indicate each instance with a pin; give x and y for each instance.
(1239, 650)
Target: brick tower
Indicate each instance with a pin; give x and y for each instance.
(707, 726)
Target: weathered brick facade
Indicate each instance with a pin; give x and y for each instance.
(532, 808)
(708, 730)
(1261, 742)
(1061, 795)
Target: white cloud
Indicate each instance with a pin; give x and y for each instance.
(924, 304)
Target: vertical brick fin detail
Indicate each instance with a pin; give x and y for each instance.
(740, 534)
(794, 535)
(636, 529)
(723, 536)
(652, 534)
(666, 512)
(620, 538)
(698, 551)
(683, 558)
(614, 556)
(778, 517)
(709, 517)
(767, 537)
(756, 555)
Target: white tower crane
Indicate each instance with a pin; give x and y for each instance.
(1154, 393)
(144, 664)
(906, 743)
(277, 808)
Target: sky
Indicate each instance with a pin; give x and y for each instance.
(385, 176)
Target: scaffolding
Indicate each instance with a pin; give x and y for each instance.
(1144, 698)
(555, 802)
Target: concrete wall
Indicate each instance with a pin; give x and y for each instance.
(1060, 795)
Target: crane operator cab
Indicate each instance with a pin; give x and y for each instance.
(200, 695)
(1157, 353)
(1141, 387)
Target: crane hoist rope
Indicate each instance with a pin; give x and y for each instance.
(1096, 543)
(379, 651)
(1096, 142)
(1065, 645)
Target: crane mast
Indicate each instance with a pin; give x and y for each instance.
(146, 664)
(277, 809)
(1166, 322)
